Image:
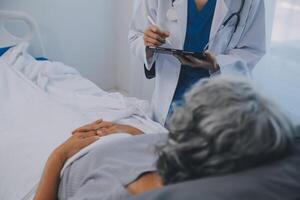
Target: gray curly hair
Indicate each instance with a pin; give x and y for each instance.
(226, 126)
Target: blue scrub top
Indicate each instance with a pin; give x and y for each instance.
(197, 36)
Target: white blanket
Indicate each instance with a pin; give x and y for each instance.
(40, 104)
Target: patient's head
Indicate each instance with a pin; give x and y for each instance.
(225, 126)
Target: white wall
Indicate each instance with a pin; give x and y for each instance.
(130, 75)
(79, 33)
(124, 67)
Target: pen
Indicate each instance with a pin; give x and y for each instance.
(153, 23)
(151, 20)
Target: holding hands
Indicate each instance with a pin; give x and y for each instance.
(103, 128)
(75, 143)
(88, 134)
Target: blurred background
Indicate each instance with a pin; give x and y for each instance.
(278, 75)
(92, 37)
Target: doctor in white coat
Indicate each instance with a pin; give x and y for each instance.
(235, 44)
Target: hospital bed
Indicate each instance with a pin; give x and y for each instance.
(41, 102)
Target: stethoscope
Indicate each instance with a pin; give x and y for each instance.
(235, 14)
(172, 15)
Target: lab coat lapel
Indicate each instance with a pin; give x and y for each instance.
(219, 16)
(182, 15)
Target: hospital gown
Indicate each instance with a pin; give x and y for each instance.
(104, 172)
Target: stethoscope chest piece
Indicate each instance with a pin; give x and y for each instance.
(172, 14)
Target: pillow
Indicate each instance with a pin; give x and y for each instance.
(277, 181)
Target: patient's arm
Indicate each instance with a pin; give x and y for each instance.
(104, 128)
(49, 183)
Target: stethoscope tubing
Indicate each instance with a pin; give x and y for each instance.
(225, 23)
(237, 14)
(173, 1)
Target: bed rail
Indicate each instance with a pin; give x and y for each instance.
(8, 39)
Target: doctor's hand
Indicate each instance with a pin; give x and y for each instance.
(209, 64)
(153, 36)
(103, 128)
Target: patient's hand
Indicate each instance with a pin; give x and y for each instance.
(75, 143)
(103, 128)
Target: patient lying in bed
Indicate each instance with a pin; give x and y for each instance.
(41, 103)
(225, 126)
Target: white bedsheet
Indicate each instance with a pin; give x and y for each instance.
(40, 104)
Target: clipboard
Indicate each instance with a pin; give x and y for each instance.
(168, 51)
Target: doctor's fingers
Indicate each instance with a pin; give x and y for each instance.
(152, 42)
(155, 29)
(182, 59)
(195, 62)
(155, 36)
(211, 58)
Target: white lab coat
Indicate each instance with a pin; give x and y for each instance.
(246, 48)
